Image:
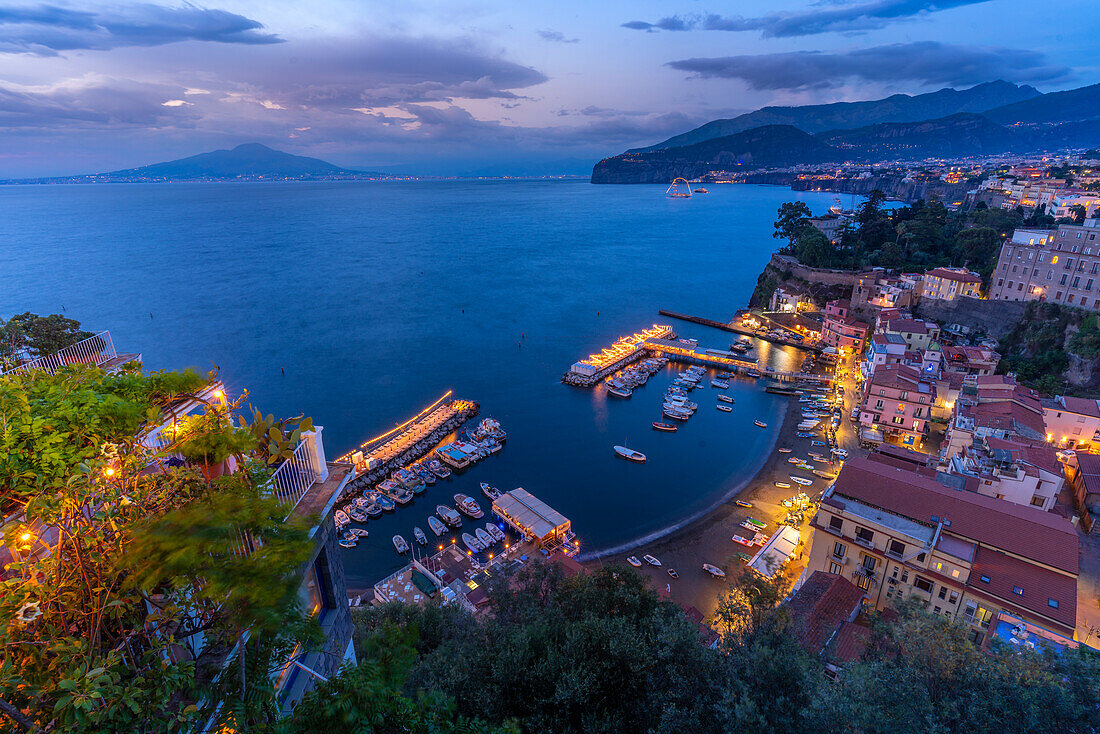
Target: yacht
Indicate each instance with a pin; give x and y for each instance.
(400, 544)
(630, 454)
(448, 515)
(484, 538)
(437, 527)
(420, 536)
(468, 506)
(493, 530)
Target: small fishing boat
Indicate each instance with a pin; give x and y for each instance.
(803, 434)
(468, 506)
(484, 538)
(783, 485)
(619, 393)
(676, 415)
(742, 540)
(438, 469)
(341, 517)
(724, 408)
(761, 424)
(420, 536)
(386, 503)
(344, 543)
(357, 515)
(359, 532)
(743, 503)
(725, 398)
(490, 492)
(720, 384)
(801, 480)
(471, 542)
(493, 530)
(630, 454)
(373, 510)
(437, 527)
(673, 574)
(714, 571)
(448, 515)
(757, 523)
(400, 544)
(785, 450)
(753, 374)
(824, 474)
(794, 460)
(662, 426)
(651, 560)
(633, 561)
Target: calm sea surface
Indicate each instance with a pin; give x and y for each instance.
(359, 303)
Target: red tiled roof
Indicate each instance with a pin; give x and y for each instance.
(850, 642)
(1081, 406)
(949, 275)
(1037, 584)
(821, 605)
(1032, 452)
(1020, 529)
(898, 463)
(1088, 467)
(1008, 415)
(911, 326)
(917, 458)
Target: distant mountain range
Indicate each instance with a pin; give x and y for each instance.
(1018, 119)
(248, 162)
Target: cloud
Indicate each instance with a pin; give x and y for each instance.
(93, 103)
(824, 18)
(45, 30)
(925, 62)
(556, 37)
(177, 103)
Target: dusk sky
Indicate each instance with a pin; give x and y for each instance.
(466, 86)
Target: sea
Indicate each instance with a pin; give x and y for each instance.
(359, 303)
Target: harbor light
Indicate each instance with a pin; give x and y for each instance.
(25, 537)
(109, 472)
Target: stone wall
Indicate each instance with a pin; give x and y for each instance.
(786, 263)
(995, 318)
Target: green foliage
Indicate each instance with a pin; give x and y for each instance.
(1086, 342)
(277, 439)
(211, 438)
(104, 540)
(39, 335)
(790, 220)
(1035, 348)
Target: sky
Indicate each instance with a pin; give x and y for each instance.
(481, 87)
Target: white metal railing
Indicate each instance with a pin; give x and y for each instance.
(293, 479)
(95, 350)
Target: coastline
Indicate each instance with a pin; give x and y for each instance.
(695, 517)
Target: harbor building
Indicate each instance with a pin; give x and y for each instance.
(534, 520)
(897, 534)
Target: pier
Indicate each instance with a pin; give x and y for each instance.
(400, 446)
(626, 350)
(741, 330)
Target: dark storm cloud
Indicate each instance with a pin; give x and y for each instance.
(556, 37)
(926, 62)
(822, 19)
(46, 29)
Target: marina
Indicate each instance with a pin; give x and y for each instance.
(734, 328)
(627, 349)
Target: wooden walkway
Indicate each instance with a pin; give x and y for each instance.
(741, 330)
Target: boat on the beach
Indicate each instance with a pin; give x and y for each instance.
(673, 574)
(662, 426)
(804, 434)
(491, 492)
(400, 544)
(420, 536)
(493, 530)
(784, 450)
(651, 560)
(740, 539)
(471, 542)
(783, 485)
(448, 515)
(743, 503)
(761, 424)
(714, 571)
(468, 506)
(757, 523)
(801, 480)
(484, 538)
(824, 474)
(744, 557)
(629, 454)
(724, 408)
(437, 527)
(633, 561)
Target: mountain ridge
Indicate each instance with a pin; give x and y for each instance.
(248, 160)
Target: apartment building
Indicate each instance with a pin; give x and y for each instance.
(898, 402)
(883, 349)
(917, 333)
(841, 329)
(898, 534)
(970, 360)
(1071, 422)
(1060, 266)
(947, 284)
(1018, 471)
(1083, 474)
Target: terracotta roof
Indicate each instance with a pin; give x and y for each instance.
(916, 458)
(850, 643)
(927, 471)
(1088, 468)
(1081, 406)
(911, 326)
(1021, 529)
(1037, 584)
(1009, 416)
(1032, 452)
(946, 274)
(821, 605)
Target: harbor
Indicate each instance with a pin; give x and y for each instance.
(735, 329)
(628, 349)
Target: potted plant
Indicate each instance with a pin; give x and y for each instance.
(209, 439)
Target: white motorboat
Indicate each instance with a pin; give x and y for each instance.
(471, 542)
(400, 544)
(720, 384)
(651, 560)
(490, 492)
(448, 515)
(341, 517)
(484, 538)
(630, 454)
(497, 533)
(714, 571)
(801, 480)
(437, 527)
(468, 506)
(420, 536)
(633, 561)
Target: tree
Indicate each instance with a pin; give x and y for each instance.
(1078, 213)
(43, 335)
(791, 217)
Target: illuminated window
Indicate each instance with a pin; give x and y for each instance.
(1054, 260)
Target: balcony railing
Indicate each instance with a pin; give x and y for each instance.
(95, 350)
(293, 479)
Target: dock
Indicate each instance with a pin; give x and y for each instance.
(587, 372)
(677, 351)
(733, 328)
(400, 446)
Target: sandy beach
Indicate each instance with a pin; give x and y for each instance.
(708, 539)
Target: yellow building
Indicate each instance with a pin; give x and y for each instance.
(946, 284)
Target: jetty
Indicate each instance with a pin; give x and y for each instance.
(587, 372)
(681, 351)
(400, 446)
(733, 328)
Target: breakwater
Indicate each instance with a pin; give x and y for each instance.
(740, 330)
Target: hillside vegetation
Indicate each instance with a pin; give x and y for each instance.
(1054, 349)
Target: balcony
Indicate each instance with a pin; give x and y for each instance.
(842, 560)
(865, 542)
(97, 350)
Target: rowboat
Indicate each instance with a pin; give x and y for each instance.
(633, 561)
(785, 450)
(714, 571)
(762, 424)
(783, 485)
(662, 426)
(757, 523)
(651, 560)
(801, 480)
(724, 408)
(630, 454)
(743, 503)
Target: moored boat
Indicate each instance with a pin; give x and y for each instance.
(720, 384)
(801, 480)
(489, 491)
(630, 454)
(484, 538)
(471, 542)
(725, 398)
(437, 527)
(438, 469)
(448, 515)
(761, 424)
(724, 408)
(341, 517)
(468, 506)
(399, 544)
(420, 536)
(714, 571)
(662, 426)
(651, 560)
(497, 533)
(386, 503)
(619, 392)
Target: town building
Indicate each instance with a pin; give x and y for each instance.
(1059, 266)
(882, 349)
(970, 360)
(917, 333)
(1018, 471)
(897, 534)
(1071, 422)
(947, 284)
(876, 290)
(842, 330)
(831, 225)
(826, 614)
(1083, 476)
(898, 402)
(783, 300)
